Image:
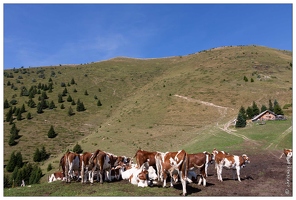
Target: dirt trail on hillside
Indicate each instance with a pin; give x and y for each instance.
(223, 113)
(203, 102)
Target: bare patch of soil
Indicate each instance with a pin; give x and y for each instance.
(265, 175)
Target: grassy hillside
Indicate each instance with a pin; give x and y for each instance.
(155, 104)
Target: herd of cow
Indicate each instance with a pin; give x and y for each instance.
(149, 168)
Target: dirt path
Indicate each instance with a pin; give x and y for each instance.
(223, 113)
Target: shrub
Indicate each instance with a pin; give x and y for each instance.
(51, 132)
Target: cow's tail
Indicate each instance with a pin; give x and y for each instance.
(67, 163)
(158, 162)
(136, 153)
(185, 166)
(137, 158)
(91, 160)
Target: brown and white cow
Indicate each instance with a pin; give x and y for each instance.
(86, 171)
(117, 165)
(143, 156)
(173, 162)
(218, 156)
(100, 162)
(56, 176)
(199, 161)
(288, 153)
(70, 163)
(233, 162)
(139, 176)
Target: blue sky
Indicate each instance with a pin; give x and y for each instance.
(53, 34)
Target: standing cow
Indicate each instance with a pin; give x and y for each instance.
(150, 157)
(199, 161)
(100, 162)
(174, 164)
(70, 163)
(233, 162)
(288, 153)
(86, 171)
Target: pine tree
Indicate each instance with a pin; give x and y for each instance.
(99, 103)
(36, 175)
(14, 131)
(19, 116)
(39, 108)
(23, 109)
(43, 154)
(51, 105)
(73, 102)
(64, 93)
(77, 149)
(29, 115)
(11, 163)
(255, 109)
(241, 122)
(249, 112)
(85, 92)
(44, 95)
(49, 167)
(14, 176)
(80, 106)
(9, 115)
(69, 99)
(51, 132)
(11, 141)
(243, 112)
(277, 109)
(72, 81)
(31, 103)
(246, 79)
(37, 156)
(263, 108)
(6, 104)
(62, 106)
(70, 111)
(60, 100)
(19, 159)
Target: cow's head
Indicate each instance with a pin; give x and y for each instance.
(142, 178)
(214, 153)
(246, 159)
(175, 175)
(210, 157)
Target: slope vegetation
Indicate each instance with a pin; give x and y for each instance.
(155, 104)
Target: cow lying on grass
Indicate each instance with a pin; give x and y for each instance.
(142, 177)
(56, 176)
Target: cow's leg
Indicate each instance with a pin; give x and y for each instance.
(172, 181)
(219, 172)
(101, 175)
(238, 173)
(164, 178)
(85, 175)
(82, 172)
(183, 181)
(288, 160)
(202, 177)
(109, 175)
(91, 178)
